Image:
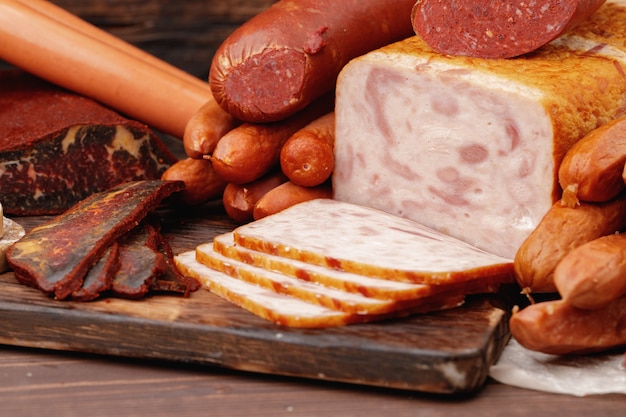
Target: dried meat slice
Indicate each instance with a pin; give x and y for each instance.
(56, 256)
(171, 280)
(283, 309)
(140, 262)
(57, 147)
(370, 242)
(100, 276)
(368, 286)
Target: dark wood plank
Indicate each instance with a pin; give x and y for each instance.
(442, 352)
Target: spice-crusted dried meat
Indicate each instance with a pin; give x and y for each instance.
(100, 276)
(172, 280)
(56, 256)
(57, 147)
(140, 262)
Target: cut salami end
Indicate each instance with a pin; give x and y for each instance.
(472, 147)
(369, 242)
(284, 309)
(492, 29)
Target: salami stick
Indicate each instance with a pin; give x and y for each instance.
(282, 59)
(592, 168)
(559, 231)
(555, 327)
(307, 157)
(251, 150)
(593, 274)
(69, 58)
(492, 29)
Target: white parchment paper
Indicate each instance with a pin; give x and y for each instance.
(578, 375)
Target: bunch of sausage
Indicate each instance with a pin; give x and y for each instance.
(578, 252)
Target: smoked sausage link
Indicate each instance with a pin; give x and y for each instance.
(592, 168)
(290, 54)
(555, 327)
(594, 274)
(562, 229)
(307, 157)
(496, 29)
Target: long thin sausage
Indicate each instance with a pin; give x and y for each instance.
(556, 327)
(492, 29)
(71, 20)
(559, 231)
(307, 157)
(282, 59)
(592, 168)
(69, 58)
(251, 150)
(593, 274)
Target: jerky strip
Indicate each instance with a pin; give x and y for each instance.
(140, 263)
(100, 276)
(56, 256)
(172, 280)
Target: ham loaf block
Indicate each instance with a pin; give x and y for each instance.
(369, 242)
(471, 147)
(57, 148)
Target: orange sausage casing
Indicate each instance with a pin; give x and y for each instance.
(286, 195)
(74, 60)
(285, 57)
(251, 150)
(593, 274)
(592, 168)
(239, 200)
(307, 157)
(496, 29)
(205, 128)
(202, 183)
(559, 231)
(555, 327)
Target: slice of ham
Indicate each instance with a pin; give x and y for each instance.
(311, 292)
(284, 309)
(354, 283)
(471, 147)
(369, 242)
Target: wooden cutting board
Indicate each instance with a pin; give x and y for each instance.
(443, 352)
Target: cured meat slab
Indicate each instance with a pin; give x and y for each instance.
(471, 147)
(444, 352)
(57, 147)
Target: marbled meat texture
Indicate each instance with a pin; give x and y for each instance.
(56, 256)
(283, 309)
(57, 147)
(471, 147)
(370, 242)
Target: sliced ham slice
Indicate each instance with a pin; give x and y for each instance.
(369, 242)
(312, 292)
(284, 309)
(370, 287)
(471, 147)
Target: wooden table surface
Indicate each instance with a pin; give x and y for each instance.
(40, 383)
